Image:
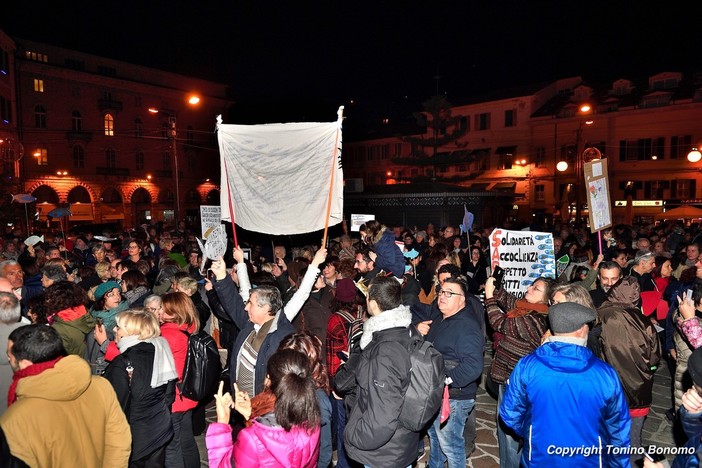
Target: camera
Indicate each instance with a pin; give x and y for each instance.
(499, 274)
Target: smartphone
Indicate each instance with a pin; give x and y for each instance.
(210, 275)
(342, 355)
(499, 274)
(654, 457)
(247, 254)
(688, 296)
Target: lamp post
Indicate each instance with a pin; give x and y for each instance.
(192, 100)
(562, 166)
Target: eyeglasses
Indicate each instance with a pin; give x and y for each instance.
(537, 289)
(449, 294)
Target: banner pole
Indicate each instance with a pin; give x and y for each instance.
(340, 115)
(231, 205)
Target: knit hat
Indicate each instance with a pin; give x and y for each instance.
(568, 317)
(422, 234)
(101, 290)
(346, 290)
(694, 366)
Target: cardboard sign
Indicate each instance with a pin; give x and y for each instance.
(358, 220)
(210, 216)
(524, 255)
(597, 189)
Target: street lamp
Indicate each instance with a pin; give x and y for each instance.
(562, 166)
(694, 155)
(172, 136)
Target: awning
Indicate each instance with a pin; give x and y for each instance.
(478, 187)
(505, 186)
(43, 209)
(112, 214)
(81, 212)
(506, 150)
(481, 151)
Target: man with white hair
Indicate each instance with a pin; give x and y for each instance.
(9, 320)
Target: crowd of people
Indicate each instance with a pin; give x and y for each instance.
(315, 347)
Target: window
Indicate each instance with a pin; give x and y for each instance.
(540, 192)
(166, 160)
(384, 151)
(38, 85)
(110, 158)
(139, 160)
(653, 189)
(4, 62)
(398, 150)
(680, 146)
(74, 64)
(683, 188)
(510, 118)
(482, 121)
(540, 156)
(36, 57)
(40, 117)
(5, 110)
(506, 160)
(42, 156)
(109, 125)
(78, 156)
(641, 150)
(76, 122)
(107, 71)
(464, 124)
(138, 128)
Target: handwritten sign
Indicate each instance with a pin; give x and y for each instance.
(210, 216)
(597, 184)
(524, 255)
(358, 220)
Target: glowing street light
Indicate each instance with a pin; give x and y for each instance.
(694, 155)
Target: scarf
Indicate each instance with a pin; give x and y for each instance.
(34, 369)
(135, 294)
(70, 314)
(522, 308)
(261, 404)
(398, 317)
(164, 369)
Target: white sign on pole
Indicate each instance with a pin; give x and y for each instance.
(210, 217)
(524, 255)
(358, 220)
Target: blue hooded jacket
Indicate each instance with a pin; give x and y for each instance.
(569, 406)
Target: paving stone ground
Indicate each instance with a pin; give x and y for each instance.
(658, 430)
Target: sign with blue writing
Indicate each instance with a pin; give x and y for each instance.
(524, 255)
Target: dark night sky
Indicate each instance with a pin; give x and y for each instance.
(300, 60)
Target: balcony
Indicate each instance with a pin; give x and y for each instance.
(118, 171)
(109, 104)
(79, 135)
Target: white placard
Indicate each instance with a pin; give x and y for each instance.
(524, 255)
(358, 220)
(210, 216)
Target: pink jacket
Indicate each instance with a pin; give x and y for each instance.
(262, 446)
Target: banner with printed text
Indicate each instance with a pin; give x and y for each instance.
(524, 255)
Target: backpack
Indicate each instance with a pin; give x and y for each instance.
(422, 399)
(202, 367)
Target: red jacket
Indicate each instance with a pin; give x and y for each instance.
(178, 341)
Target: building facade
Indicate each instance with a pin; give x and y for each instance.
(117, 142)
(529, 147)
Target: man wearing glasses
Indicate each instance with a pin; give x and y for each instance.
(456, 331)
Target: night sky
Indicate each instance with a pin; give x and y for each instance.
(289, 61)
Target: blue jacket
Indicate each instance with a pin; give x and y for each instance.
(692, 424)
(561, 395)
(390, 257)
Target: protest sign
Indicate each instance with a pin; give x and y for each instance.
(358, 220)
(524, 256)
(210, 216)
(598, 201)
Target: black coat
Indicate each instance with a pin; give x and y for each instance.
(373, 434)
(148, 410)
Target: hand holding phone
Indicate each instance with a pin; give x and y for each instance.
(342, 355)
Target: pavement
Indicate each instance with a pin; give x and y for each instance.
(658, 430)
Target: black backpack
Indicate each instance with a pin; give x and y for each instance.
(202, 367)
(422, 399)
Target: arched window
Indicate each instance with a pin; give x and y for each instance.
(138, 128)
(76, 122)
(78, 156)
(40, 117)
(139, 160)
(109, 125)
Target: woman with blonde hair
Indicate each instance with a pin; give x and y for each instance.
(143, 376)
(179, 319)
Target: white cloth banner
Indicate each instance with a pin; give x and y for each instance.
(278, 175)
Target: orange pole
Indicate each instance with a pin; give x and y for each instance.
(331, 184)
(231, 205)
